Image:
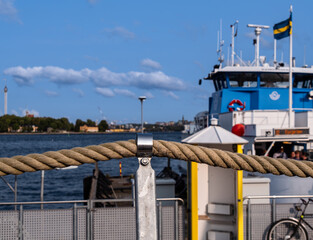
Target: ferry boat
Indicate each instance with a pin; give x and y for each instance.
(252, 101)
(269, 107)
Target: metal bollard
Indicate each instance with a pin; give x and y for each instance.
(146, 220)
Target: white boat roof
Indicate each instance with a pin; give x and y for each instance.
(270, 69)
(214, 135)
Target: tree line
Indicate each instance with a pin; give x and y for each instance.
(12, 123)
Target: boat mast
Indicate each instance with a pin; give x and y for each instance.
(233, 35)
(258, 30)
(220, 44)
(291, 123)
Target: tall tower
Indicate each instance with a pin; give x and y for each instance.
(5, 99)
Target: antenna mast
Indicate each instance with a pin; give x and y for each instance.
(257, 31)
(220, 45)
(233, 35)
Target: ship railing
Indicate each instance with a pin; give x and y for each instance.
(82, 219)
(260, 212)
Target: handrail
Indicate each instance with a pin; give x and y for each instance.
(86, 201)
(276, 197)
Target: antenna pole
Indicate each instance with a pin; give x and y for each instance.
(275, 61)
(221, 43)
(233, 43)
(290, 75)
(257, 31)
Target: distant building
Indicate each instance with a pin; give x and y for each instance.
(29, 115)
(85, 128)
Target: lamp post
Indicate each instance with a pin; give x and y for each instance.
(142, 98)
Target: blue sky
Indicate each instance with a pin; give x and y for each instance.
(92, 59)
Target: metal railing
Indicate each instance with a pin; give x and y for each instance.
(85, 221)
(259, 216)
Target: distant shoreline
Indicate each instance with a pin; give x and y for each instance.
(53, 133)
(76, 133)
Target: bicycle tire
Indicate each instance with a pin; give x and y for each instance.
(284, 229)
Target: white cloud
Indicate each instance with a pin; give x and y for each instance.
(106, 92)
(7, 9)
(102, 77)
(26, 76)
(79, 92)
(65, 76)
(151, 64)
(23, 76)
(119, 32)
(155, 80)
(171, 94)
(51, 93)
(125, 92)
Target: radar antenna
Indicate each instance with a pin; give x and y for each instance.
(257, 31)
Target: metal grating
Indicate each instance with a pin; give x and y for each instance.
(260, 220)
(9, 225)
(114, 223)
(81, 223)
(48, 224)
(181, 219)
(288, 210)
(106, 223)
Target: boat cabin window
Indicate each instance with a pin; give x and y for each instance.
(274, 80)
(220, 84)
(302, 81)
(243, 80)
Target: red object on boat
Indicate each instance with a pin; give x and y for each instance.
(238, 129)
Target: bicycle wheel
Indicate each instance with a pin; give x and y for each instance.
(286, 229)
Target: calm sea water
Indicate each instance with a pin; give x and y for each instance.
(68, 184)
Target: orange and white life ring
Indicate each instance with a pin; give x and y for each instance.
(236, 105)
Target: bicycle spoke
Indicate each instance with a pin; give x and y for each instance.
(287, 229)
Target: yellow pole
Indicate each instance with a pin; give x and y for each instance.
(194, 200)
(239, 201)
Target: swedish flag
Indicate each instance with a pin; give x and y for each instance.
(283, 29)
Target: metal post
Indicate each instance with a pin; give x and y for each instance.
(91, 220)
(249, 219)
(88, 212)
(146, 220)
(15, 192)
(21, 223)
(160, 220)
(257, 33)
(275, 46)
(42, 187)
(75, 221)
(274, 210)
(291, 121)
(176, 220)
(142, 98)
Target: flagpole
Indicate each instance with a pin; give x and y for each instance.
(290, 74)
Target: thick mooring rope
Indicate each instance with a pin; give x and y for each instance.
(174, 150)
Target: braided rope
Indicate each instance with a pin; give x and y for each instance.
(174, 150)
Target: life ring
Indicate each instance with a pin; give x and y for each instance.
(236, 105)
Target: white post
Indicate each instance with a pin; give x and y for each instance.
(146, 220)
(275, 61)
(257, 33)
(290, 75)
(232, 44)
(42, 187)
